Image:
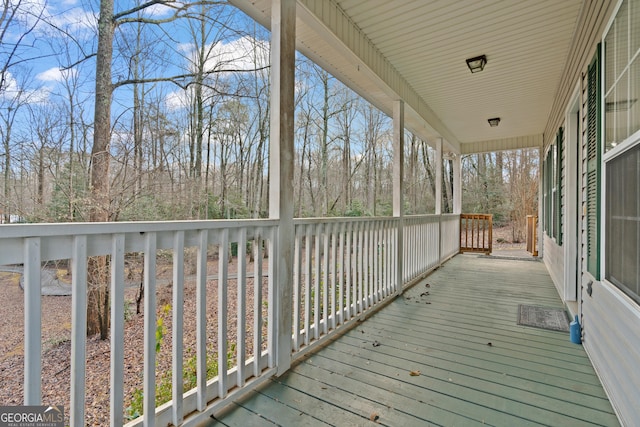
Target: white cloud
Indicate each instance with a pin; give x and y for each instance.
(55, 74)
(74, 20)
(10, 87)
(176, 100)
(244, 54)
(160, 10)
(13, 92)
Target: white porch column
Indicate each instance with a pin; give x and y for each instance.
(539, 231)
(398, 186)
(438, 176)
(281, 151)
(457, 184)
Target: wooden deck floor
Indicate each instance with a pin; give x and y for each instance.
(472, 363)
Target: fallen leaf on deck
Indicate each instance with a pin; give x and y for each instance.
(415, 373)
(376, 344)
(424, 294)
(489, 344)
(427, 285)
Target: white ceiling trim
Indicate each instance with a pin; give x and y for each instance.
(530, 141)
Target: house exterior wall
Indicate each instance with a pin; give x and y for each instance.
(610, 318)
(554, 260)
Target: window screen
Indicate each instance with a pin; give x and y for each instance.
(623, 222)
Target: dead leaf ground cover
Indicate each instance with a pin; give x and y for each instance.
(56, 340)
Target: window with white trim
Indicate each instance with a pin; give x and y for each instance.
(622, 148)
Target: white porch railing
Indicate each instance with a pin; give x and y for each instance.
(427, 243)
(342, 268)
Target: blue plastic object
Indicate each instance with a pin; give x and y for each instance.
(574, 331)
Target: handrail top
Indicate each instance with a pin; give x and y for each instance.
(93, 228)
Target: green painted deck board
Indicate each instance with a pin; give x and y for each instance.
(400, 384)
(478, 339)
(386, 394)
(464, 357)
(527, 376)
(237, 416)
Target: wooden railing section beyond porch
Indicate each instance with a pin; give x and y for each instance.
(476, 233)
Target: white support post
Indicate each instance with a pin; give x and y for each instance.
(438, 176)
(116, 392)
(32, 323)
(78, 329)
(540, 232)
(281, 153)
(398, 187)
(149, 365)
(457, 184)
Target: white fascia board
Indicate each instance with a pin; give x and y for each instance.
(505, 144)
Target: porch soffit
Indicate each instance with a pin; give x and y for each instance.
(415, 50)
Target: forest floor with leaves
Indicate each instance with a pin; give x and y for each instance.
(503, 239)
(56, 342)
(56, 338)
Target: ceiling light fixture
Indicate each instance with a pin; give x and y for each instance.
(494, 122)
(477, 64)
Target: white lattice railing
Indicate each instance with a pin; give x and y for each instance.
(343, 267)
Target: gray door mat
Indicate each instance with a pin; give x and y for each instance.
(554, 319)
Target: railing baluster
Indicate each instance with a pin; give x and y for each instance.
(177, 319)
(307, 285)
(32, 322)
(354, 269)
(257, 304)
(297, 288)
(375, 253)
(325, 278)
(149, 369)
(360, 262)
(334, 281)
(241, 330)
(341, 277)
(79, 329)
(223, 275)
(378, 261)
(316, 282)
(349, 271)
(117, 329)
(366, 266)
(201, 320)
(272, 323)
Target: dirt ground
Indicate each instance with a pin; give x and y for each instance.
(56, 341)
(503, 239)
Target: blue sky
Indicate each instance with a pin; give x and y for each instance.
(54, 53)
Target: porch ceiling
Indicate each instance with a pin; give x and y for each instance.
(416, 49)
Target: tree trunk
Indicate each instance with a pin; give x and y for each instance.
(98, 304)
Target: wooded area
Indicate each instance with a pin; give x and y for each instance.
(161, 112)
(189, 133)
